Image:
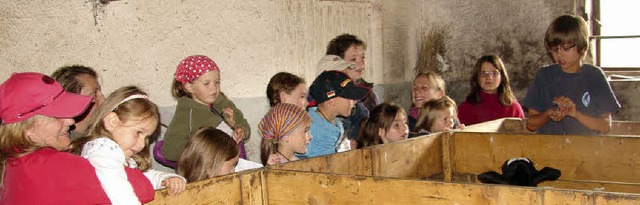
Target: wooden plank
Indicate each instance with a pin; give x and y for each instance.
(625, 128)
(601, 158)
(447, 157)
(320, 188)
(251, 187)
(218, 190)
(354, 162)
(417, 158)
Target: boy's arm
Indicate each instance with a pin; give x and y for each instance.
(600, 123)
(537, 119)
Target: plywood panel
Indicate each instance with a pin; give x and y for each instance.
(251, 187)
(414, 158)
(355, 162)
(601, 158)
(219, 190)
(283, 188)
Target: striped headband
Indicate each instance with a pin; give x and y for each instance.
(281, 120)
(131, 97)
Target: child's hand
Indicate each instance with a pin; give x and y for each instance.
(566, 106)
(176, 185)
(274, 159)
(228, 117)
(459, 127)
(238, 135)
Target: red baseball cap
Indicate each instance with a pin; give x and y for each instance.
(25, 95)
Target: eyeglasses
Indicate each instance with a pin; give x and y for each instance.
(486, 74)
(555, 49)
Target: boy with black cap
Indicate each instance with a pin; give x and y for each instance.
(335, 94)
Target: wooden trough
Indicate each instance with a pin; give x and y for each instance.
(517, 125)
(268, 186)
(610, 163)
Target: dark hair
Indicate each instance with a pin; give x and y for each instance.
(281, 82)
(133, 109)
(381, 117)
(340, 44)
(208, 148)
(569, 30)
(67, 76)
(504, 89)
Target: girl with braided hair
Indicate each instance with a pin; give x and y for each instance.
(285, 132)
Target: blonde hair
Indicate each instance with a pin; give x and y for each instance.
(435, 81)
(14, 141)
(428, 113)
(178, 90)
(208, 148)
(133, 109)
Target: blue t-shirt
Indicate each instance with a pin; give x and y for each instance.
(325, 135)
(588, 89)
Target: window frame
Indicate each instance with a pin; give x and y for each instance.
(596, 37)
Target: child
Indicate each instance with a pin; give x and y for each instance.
(200, 103)
(437, 115)
(119, 138)
(426, 86)
(569, 97)
(387, 123)
(287, 88)
(209, 153)
(285, 132)
(490, 97)
(335, 93)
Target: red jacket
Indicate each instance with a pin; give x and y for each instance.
(48, 176)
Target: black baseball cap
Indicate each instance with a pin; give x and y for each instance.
(332, 83)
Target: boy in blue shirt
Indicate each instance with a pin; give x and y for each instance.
(569, 97)
(335, 94)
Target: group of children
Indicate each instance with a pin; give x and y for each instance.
(204, 138)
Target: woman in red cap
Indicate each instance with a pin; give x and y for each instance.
(35, 115)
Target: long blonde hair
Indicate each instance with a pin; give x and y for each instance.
(14, 141)
(133, 109)
(207, 149)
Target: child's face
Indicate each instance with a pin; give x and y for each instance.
(344, 106)
(299, 138)
(298, 96)
(489, 78)
(444, 120)
(132, 135)
(399, 129)
(51, 132)
(205, 89)
(567, 56)
(228, 167)
(422, 92)
(355, 54)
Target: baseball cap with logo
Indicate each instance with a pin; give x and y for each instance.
(25, 95)
(331, 84)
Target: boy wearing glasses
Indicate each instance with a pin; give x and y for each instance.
(569, 97)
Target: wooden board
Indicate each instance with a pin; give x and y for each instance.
(355, 162)
(517, 125)
(220, 190)
(417, 158)
(601, 158)
(284, 187)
